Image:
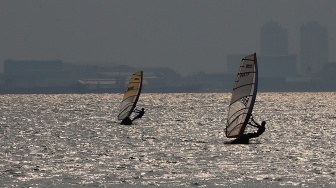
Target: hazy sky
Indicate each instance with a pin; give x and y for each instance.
(186, 35)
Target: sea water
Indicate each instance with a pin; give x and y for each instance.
(76, 140)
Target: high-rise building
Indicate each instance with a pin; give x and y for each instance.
(274, 52)
(274, 39)
(270, 66)
(314, 48)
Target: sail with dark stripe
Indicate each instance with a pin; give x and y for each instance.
(243, 97)
(131, 96)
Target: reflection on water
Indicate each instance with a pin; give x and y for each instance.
(76, 140)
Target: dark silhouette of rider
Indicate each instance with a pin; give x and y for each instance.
(139, 112)
(245, 138)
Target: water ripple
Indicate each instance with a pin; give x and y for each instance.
(76, 140)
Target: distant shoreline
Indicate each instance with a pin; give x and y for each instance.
(76, 90)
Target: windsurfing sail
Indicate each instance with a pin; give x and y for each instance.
(243, 97)
(131, 95)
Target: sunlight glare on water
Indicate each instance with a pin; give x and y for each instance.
(76, 140)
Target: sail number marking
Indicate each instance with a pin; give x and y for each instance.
(248, 66)
(244, 74)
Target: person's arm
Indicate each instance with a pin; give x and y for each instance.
(253, 125)
(260, 130)
(250, 122)
(256, 124)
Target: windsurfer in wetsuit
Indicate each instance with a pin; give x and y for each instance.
(139, 112)
(245, 138)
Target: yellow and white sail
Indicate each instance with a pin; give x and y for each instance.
(131, 95)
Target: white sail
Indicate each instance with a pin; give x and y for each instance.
(131, 95)
(243, 97)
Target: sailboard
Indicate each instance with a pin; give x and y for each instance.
(243, 97)
(131, 96)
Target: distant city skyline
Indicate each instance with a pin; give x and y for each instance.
(188, 36)
(23, 77)
(273, 39)
(314, 47)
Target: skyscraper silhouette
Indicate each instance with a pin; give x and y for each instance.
(274, 39)
(274, 52)
(314, 48)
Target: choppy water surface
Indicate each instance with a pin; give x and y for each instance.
(76, 140)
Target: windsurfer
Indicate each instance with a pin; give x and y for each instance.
(245, 138)
(139, 112)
